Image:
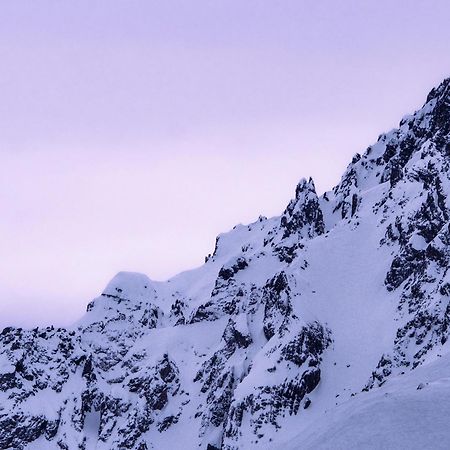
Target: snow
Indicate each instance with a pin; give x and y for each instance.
(398, 415)
(131, 285)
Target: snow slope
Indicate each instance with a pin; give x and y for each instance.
(410, 412)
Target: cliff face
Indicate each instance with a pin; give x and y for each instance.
(291, 317)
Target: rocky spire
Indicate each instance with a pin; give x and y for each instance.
(303, 215)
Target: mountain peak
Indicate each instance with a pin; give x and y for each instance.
(440, 92)
(303, 215)
(304, 186)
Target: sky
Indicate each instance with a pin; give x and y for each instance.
(133, 132)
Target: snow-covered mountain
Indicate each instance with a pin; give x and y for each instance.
(325, 327)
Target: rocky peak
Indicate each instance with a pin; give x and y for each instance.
(441, 92)
(303, 215)
(440, 122)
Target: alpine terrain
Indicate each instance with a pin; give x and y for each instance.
(324, 328)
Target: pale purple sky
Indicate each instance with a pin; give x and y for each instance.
(133, 132)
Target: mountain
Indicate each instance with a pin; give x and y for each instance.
(325, 327)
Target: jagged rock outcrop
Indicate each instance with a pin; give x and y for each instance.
(303, 216)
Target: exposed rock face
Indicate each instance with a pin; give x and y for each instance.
(303, 216)
(288, 316)
(277, 305)
(261, 409)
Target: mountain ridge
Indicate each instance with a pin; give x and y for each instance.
(290, 318)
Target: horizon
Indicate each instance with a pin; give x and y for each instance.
(133, 136)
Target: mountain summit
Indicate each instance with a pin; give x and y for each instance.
(324, 328)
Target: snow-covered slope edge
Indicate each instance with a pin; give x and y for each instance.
(410, 412)
(292, 320)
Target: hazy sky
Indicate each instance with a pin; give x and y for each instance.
(133, 132)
